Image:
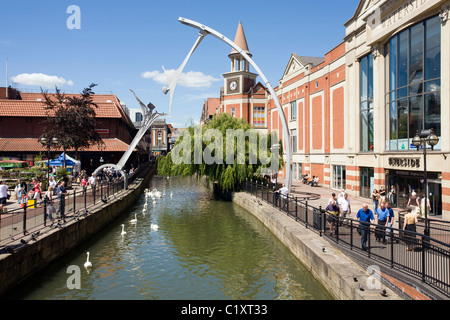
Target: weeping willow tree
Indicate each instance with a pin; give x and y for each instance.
(226, 151)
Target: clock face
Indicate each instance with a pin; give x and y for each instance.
(233, 85)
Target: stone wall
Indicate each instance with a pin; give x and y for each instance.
(331, 267)
(34, 257)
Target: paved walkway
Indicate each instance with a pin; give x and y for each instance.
(356, 203)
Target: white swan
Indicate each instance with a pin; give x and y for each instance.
(171, 194)
(87, 264)
(154, 226)
(134, 220)
(123, 231)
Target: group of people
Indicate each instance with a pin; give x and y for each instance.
(383, 215)
(314, 182)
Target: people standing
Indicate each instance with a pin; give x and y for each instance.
(48, 200)
(423, 209)
(3, 195)
(61, 195)
(37, 191)
(333, 212)
(410, 226)
(382, 194)
(52, 183)
(84, 182)
(390, 221)
(19, 191)
(93, 182)
(365, 217)
(392, 196)
(344, 205)
(375, 198)
(333, 198)
(414, 203)
(382, 216)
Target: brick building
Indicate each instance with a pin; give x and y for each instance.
(353, 113)
(21, 117)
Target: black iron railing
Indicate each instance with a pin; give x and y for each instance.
(32, 218)
(428, 259)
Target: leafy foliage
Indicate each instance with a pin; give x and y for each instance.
(71, 119)
(229, 173)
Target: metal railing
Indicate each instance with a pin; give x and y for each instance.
(32, 219)
(429, 261)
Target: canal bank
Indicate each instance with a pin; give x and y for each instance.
(330, 266)
(33, 257)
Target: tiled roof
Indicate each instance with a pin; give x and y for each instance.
(33, 145)
(32, 105)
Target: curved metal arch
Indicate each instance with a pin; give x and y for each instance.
(204, 30)
(118, 168)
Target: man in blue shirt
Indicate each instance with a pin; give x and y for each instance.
(390, 219)
(383, 215)
(61, 194)
(365, 217)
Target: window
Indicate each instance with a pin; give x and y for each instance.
(259, 117)
(294, 140)
(366, 182)
(294, 110)
(339, 177)
(413, 99)
(297, 172)
(366, 103)
(233, 112)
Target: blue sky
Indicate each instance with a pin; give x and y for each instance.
(123, 45)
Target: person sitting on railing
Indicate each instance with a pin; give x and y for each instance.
(283, 191)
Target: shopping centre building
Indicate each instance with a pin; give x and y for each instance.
(353, 113)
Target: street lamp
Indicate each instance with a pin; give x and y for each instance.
(48, 143)
(421, 140)
(101, 148)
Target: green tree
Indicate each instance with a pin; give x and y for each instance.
(246, 150)
(71, 119)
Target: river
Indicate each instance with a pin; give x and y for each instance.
(204, 249)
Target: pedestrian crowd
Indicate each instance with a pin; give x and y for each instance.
(380, 219)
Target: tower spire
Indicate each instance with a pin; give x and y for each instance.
(240, 40)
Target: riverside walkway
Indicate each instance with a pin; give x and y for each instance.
(426, 268)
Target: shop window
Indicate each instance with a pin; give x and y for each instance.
(366, 104)
(413, 100)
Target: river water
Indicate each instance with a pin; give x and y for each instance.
(204, 249)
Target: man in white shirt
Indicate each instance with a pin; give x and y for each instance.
(3, 194)
(344, 205)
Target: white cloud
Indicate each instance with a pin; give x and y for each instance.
(191, 79)
(40, 79)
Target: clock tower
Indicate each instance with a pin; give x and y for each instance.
(240, 80)
(242, 97)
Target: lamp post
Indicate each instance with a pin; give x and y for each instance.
(421, 140)
(101, 147)
(48, 144)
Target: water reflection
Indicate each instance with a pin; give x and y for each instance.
(204, 249)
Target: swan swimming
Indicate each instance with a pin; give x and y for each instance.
(123, 231)
(134, 220)
(87, 264)
(154, 226)
(171, 194)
